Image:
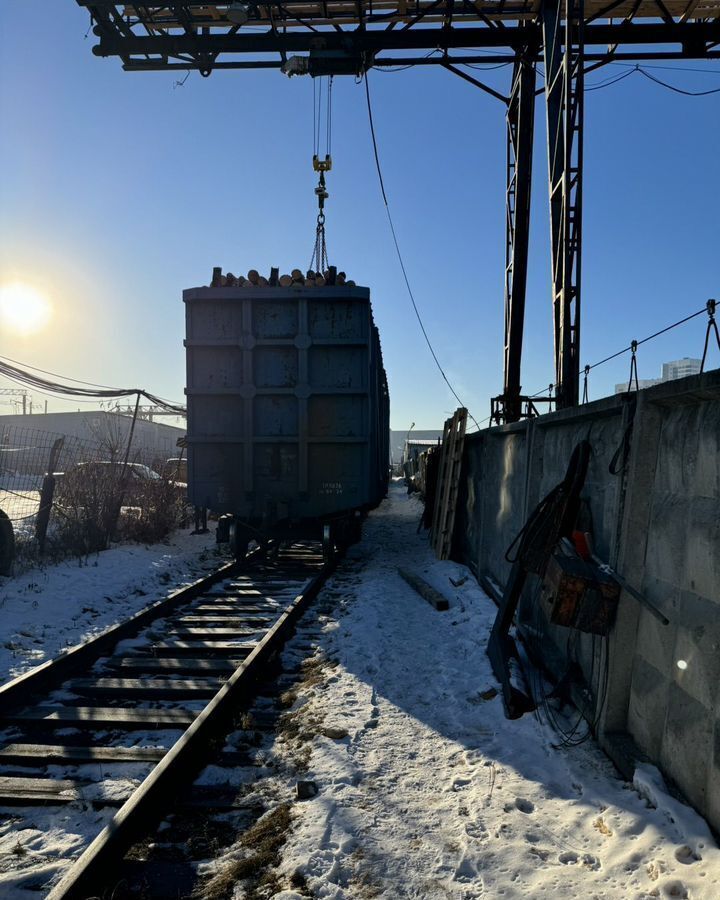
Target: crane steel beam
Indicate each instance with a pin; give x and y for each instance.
(391, 62)
(520, 121)
(693, 37)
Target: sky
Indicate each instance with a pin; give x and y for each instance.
(119, 190)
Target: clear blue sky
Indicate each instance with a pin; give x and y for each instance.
(119, 190)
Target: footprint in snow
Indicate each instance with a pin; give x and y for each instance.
(525, 806)
(570, 858)
(466, 871)
(674, 888)
(476, 830)
(686, 855)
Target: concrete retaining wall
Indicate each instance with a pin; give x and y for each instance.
(658, 522)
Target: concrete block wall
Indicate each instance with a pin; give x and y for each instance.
(674, 702)
(658, 522)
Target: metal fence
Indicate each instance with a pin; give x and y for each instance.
(65, 495)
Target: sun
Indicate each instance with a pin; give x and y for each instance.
(23, 309)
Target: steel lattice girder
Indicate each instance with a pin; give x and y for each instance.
(695, 39)
(564, 94)
(198, 35)
(520, 132)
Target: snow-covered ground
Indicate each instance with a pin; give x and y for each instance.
(427, 791)
(48, 609)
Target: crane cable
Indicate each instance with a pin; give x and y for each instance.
(399, 254)
(319, 259)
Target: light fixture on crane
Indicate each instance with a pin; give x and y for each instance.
(238, 13)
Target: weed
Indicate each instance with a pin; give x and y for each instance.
(261, 845)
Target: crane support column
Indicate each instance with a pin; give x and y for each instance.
(520, 131)
(564, 96)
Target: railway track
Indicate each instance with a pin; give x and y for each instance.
(118, 728)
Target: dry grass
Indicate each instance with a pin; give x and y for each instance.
(261, 844)
(92, 505)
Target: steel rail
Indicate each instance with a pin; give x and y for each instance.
(21, 690)
(147, 805)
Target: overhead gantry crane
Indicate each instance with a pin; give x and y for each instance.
(336, 37)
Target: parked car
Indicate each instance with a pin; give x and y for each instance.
(175, 470)
(107, 476)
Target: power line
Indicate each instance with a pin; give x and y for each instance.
(22, 376)
(55, 374)
(399, 254)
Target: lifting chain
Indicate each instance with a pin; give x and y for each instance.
(319, 258)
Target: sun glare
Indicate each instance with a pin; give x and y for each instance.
(23, 309)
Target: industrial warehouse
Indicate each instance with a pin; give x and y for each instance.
(394, 573)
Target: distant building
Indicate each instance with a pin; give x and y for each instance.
(398, 439)
(678, 368)
(413, 448)
(641, 385)
(107, 430)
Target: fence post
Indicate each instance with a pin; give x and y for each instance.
(123, 474)
(46, 494)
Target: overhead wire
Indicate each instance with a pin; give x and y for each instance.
(22, 376)
(629, 347)
(677, 90)
(649, 338)
(54, 374)
(673, 68)
(608, 82)
(632, 69)
(399, 254)
(387, 69)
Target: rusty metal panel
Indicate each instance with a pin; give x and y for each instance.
(580, 595)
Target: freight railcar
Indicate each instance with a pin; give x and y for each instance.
(288, 410)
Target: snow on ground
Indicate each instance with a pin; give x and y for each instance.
(45, 610)
(427, 791)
